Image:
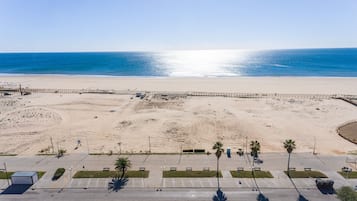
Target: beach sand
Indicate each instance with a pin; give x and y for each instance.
(106, 123)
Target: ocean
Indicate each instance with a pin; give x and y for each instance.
(341, 62)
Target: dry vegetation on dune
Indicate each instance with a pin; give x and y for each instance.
(106, 123)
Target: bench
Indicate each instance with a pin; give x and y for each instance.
(240, 169)
(172, 168)
(206, 169)
(106, 169)
(346, 169)
(141, 168)
(188, 168)
(256, 169)
(292, 169)
(307, 169)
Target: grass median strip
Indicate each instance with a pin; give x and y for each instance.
(174, 174)
(306, 174)
(249, 174)
(3, 174)
(110, 174)
(349, 175)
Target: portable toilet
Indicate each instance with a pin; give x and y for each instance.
(228, 152)
(24, 178)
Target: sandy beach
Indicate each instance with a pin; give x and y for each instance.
(123, 123)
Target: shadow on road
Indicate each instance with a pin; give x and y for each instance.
(117, 184)
(302, 198)
(262, 197)
(220, 196)
(16, 189)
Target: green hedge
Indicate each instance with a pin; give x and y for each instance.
(58, 174)
(306, 174)
(110, 174)
(3, 174)
(248, 174)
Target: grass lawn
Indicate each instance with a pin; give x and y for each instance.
(110, 174)
(40, 174)
(351, 175)
(167, 174)
(306, 174)
(3, 175)
(248, 174)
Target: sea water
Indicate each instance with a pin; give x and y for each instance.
(341, 62)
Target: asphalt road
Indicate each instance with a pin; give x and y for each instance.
(164, 195)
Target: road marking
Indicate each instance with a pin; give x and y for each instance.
(79, 181)
(70, 183)
(88, 182)
(96, 184)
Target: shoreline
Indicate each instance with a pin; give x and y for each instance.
(283, 85)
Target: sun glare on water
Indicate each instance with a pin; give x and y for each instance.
(201, 63)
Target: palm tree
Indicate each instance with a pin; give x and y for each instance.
(219, 150)
(122, 164)
(255, 149)
(289, 145)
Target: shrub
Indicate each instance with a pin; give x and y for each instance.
(59, 172)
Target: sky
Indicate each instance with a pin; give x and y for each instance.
(154, 25)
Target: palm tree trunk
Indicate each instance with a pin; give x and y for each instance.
(288, 166)
(217, 173)
(122, 173)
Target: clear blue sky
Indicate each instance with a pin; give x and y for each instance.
(119, 25)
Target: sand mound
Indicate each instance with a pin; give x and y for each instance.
(349, 131)
(28, 120)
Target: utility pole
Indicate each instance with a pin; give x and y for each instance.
(149, 145)
(246, 144)
(87, 145)
(119, 148)
(314, 151)
(20, 90)
(53, 149)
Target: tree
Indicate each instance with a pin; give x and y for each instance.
(289, 145)
(255, 149)
(218, 146)
(346, 193)
(122, 164)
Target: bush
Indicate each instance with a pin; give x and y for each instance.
(61, 152)
(59, 172)
(346, 193)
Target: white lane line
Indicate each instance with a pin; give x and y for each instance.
(88, 182)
